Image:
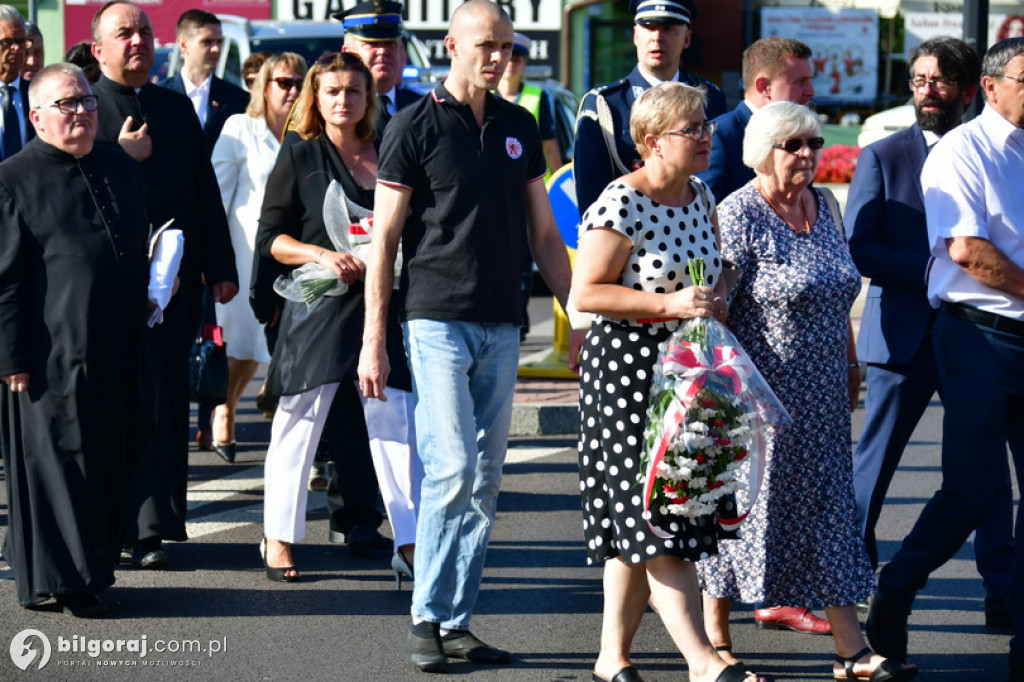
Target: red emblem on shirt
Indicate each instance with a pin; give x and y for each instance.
(514, 147)
(638, 164)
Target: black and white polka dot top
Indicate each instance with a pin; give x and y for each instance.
(663, 239)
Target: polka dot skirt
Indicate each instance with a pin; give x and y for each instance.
(616, 367)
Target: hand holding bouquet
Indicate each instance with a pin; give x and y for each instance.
(708, 403)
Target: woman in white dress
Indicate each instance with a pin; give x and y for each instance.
(242, 159)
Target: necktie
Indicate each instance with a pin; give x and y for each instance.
(12, 127)
(383, 115)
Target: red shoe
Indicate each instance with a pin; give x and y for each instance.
(794, 618)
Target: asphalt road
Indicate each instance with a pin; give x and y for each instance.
(214, 616)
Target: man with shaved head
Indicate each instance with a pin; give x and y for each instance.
(470, 166)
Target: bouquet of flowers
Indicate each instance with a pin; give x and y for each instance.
(708, 403)
(350, 228)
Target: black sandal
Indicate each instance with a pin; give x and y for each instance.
(886, 671)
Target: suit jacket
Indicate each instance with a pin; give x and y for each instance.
(885, 223)
(727, 173)
(26, 124)
(226, 100)
(593, 167)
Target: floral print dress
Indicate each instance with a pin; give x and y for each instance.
(800, 545)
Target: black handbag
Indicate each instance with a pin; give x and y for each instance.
(208, 367)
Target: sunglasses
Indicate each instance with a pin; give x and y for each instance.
(287, 84)
(333, 58)
(695, 132)
(795, 144)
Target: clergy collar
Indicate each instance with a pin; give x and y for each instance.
(119, 88)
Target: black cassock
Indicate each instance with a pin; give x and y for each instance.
(73, 279)
(181, 184)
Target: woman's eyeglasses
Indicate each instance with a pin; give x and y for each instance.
(287, 84)
(796, 144)
(695, 132)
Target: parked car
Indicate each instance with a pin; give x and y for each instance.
(885, 123)
(311, 39)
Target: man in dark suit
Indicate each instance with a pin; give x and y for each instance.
(885, 220)
(774, 70)
(158, 128)
(199, 37)
(604, 148)
(14, 124)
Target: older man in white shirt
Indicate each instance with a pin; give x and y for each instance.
(975, 213)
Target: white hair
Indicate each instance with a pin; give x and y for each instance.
(773, 122)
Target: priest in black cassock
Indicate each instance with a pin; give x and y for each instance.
(159, 128)
(73, 282)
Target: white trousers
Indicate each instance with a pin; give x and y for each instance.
(399, 470)
(294, 436)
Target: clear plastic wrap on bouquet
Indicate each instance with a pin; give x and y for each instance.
(707, 410)
(350, 228)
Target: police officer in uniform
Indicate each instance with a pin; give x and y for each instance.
(604, 149)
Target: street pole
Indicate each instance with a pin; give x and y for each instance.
(976, 35)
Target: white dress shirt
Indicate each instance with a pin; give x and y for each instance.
(972, 188)
(200, 96)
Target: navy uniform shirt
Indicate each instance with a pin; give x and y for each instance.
(465, 237)
(593, 167)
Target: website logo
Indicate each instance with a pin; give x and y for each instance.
(25, 649)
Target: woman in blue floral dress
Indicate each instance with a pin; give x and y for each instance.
(790, 310)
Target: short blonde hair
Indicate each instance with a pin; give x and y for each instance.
(659, 107)
(257, 98)
(773, 122)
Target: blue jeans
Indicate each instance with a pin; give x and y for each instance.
(463, 376)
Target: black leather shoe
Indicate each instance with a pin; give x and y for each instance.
(997, 614)
(424, 641)
(82, 605)
(886, 629)
(149, 555)
(464, 644)
(226, 450)
(364, 538)
(627, 674)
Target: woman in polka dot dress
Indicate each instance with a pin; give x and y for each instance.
(631, 273)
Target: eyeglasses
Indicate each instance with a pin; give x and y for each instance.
(795, 144)
(69, 105)
(331, 58)
(287, 84)
(695, 132)
(941, 84)
(1019, 79)
(8, 43)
